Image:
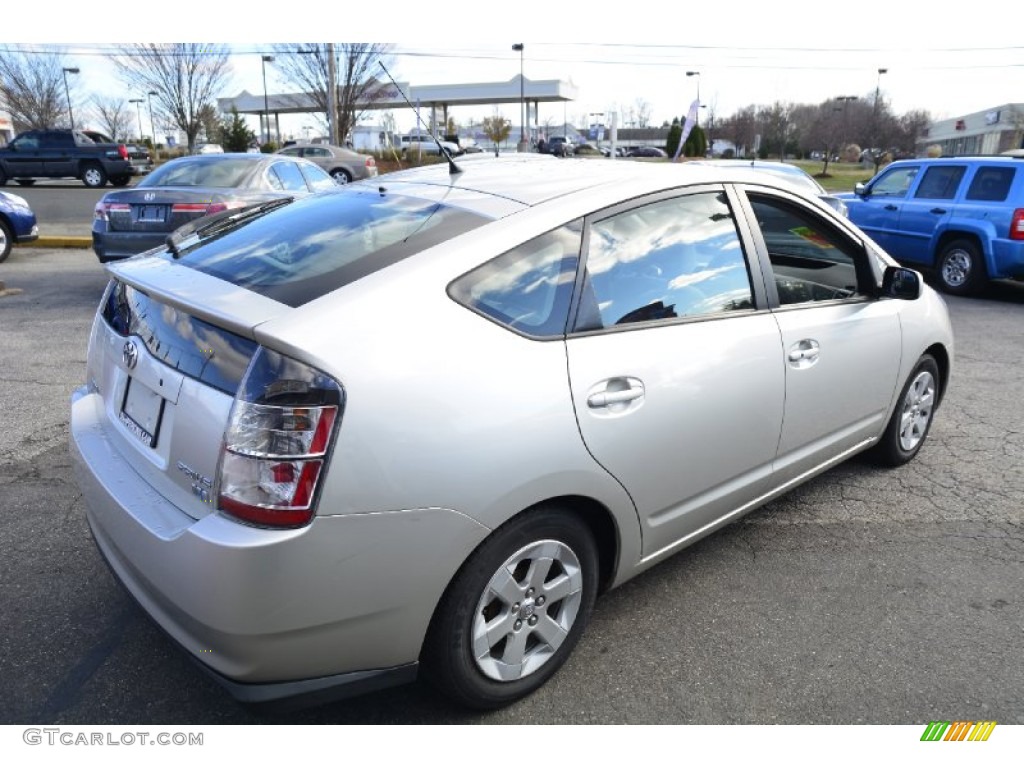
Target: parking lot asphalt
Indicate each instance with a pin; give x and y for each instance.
(865, 596)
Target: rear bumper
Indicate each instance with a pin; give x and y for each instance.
(317, 613)
(111, 246)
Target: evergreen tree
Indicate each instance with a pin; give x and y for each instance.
(675, 133)
(235, 134)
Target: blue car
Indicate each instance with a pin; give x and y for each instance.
(17, 223)
(962, 217)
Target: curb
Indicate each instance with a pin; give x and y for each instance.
(61, 241)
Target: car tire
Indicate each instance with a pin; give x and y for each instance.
(26, 182)
(961, 268)
(3, 177)
(908, 427)
(93, 176)
(120, 181)
(530, 588)
(6, 240)
(341, 176)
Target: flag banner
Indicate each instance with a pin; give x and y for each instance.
(691, 120)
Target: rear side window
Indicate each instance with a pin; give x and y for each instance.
(991, 183)
(315, 245)
(674, 258)
(528, 288)
(287, 176)
(940, 182)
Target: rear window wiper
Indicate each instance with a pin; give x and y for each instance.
(208, 226)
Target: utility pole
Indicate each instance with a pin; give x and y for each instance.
(332, 96)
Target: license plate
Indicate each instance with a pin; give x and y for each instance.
(152, 212)
(141, 412)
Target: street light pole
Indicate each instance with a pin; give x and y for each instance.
(874, 115)
(138, 109)
(523, 143)
(152, 125)
(266, 105)
(67, 93)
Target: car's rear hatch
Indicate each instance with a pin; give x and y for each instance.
(169, 349)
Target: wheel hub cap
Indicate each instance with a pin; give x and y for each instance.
(917, 411)
(527, 610)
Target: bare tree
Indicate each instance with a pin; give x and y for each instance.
(32, 90)
(113, 116)
(643, 112)
(360, 81)
(184, 77)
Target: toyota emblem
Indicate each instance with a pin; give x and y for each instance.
(130, 354)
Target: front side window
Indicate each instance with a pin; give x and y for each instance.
(940, 182)
(810, 260)
(895, 183)
(991, 183)
(528, 288)
(671, 259)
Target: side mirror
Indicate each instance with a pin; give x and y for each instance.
(901, 283)
(860, 189)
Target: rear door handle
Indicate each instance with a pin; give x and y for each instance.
(804, 353)
(891, 207)
(937, 211)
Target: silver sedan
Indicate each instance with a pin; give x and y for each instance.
(343, 164)
(416, 427)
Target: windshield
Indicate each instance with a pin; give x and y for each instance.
(199, 172)
(316, 245)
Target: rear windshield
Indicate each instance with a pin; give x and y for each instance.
(199, 172)
(313, 246)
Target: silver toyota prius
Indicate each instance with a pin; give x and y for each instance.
(416, 425)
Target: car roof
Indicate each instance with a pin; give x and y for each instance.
(531, 179)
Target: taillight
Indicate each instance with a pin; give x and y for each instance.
(1017, 225)
(103, 210)
(279, 434)
(371, 163)
(122, 150)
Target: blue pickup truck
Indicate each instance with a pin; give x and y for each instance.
(961, 216)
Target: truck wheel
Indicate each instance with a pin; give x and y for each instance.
(120, 181)
(961, 268)
(3, 177)
(26, 182)
(94, 176)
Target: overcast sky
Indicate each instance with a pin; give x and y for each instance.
(944, 62)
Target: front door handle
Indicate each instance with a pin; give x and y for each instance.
(616, 391)
(804, 353)
(937, 211)
(891, 207)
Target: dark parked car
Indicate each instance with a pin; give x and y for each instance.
(139, 157)
(17, 223)
(647, 152)
(961, 216)
(134, 220)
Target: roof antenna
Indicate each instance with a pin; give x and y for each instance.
(453, 169)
